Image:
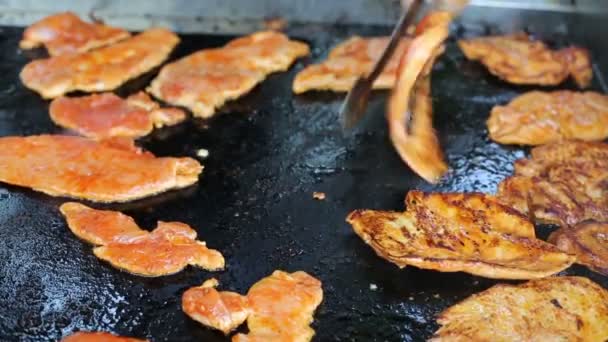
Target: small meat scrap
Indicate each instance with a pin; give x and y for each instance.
(103, 116)
(166, 250)
(318, 195)
(454, 232)
(205, 80)
(538, 118)
(562, 183)
(106, 171)
(102, 69)
(277, 308)
(588, 241)
(221, 310)
(65, 33)
(348, 61)
(82, 336)
(550, 309)
(519, 59)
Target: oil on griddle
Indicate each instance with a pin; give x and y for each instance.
(267, 154)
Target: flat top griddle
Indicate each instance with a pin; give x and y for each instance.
(269, 151)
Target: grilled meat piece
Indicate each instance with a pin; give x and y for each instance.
(550, 309)
(168, 249)
(65, 33)
(82, 336)
(453, 232)
(588, 241)
(519, 59)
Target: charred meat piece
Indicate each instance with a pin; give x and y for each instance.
(205, 80)
(102, 69)
(103, 116)
(538, 118)
(588, 241)
(453, 232)
(550, 309)
(108, 171)
(519, 59)
(65, 33)
(563, 183)
(348, 61)
(98, 337)
(166, 250)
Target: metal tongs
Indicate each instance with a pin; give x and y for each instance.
(354, 105)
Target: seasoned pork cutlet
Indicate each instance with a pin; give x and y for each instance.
(103, 116)
(563, 183)
(588, 241)
(550, 309)
(166, 250)
(519, 59)
(65, 33)
(108, 171)
(454, 232)
(348, 61)
(205, 80)
(538, 118)
(102, 69)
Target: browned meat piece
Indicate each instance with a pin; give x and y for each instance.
(98, 337)
(588, 241)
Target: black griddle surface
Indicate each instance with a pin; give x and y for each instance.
(268, 152)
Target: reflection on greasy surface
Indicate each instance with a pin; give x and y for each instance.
(267, 154)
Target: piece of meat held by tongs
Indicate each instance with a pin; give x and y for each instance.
(409, 111)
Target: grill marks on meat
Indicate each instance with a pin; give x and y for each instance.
(550, 309)
(108, 171)
(538, 118)
(65, 33)
(347, 62)
(279, 307)
(519, 59)
(563, 183)
(103, 116)
(101, 69)
(166, 250)
(452, 232)
(588, 241)
(205, 80)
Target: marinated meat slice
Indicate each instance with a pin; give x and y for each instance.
(452, 232)
(588, 241)
(282, 308)
(65, 33)
(166, 250)
(411, 126)
(550, 309)
(109, 171)
(223, 311)
(205, 80)
(519, 59)
(98, 337)
(348, 61)
(103, 116)
(563, 183)
(101, 69)
(538, 118)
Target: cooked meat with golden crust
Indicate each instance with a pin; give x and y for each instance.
(205, 80)
(588, 241)
(519, 59)
(101, 69)
(103, 116)
(98, 337)
(108, 171)
(411, 126)
(563, 183)
(550, 309)
(348, 61)
(168, 249)
(282, 308)
(538, 118)
(452, 232)
(223, 311)
(65, 33)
